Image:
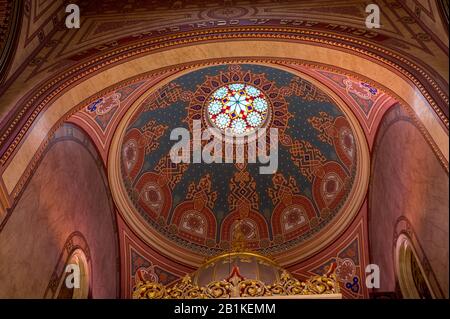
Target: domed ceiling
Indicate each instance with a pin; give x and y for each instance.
(204, 208)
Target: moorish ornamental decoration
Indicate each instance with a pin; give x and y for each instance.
(240, 107)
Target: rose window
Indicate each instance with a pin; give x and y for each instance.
(239, 107)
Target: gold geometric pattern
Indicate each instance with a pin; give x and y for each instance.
(202, 190)
(305, 90)
(282, 187)
(243, 186)
(152, 133)
(164, 97)
(324, 124)
(173, 172)
(306, 157)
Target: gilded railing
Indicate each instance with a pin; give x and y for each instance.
(236, 287)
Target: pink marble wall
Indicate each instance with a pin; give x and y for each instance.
(407, 180)
(67, 193)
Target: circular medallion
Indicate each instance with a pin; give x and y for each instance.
(240, 108)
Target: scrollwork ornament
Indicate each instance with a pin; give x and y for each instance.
(287, 285)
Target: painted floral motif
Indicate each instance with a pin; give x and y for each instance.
(129, 154)
(222, 121)
(331, 186)
(260, 104)
(254, 119)
(93, 106)
(345, 269)
(193, 222)
(152, 195)
(215, 107)
(245, 228)
(104, 105)
(292, 217)
(372, 90)
(361, 89)
(239, 126)
(241, 107)
(347, 141)
(146, 274)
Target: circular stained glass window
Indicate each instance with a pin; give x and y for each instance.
(239, 107)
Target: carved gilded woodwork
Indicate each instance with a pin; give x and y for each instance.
(237, 286)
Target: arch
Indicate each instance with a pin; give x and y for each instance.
(251, 224)
(36, 231)
(74, 260)
(409, 271)
(195, 222)
(75, 281)
(301, 208)
(408, 186)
